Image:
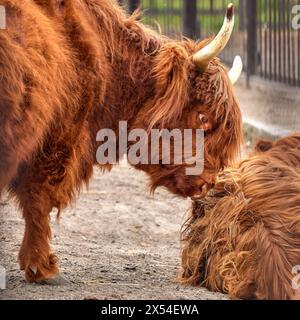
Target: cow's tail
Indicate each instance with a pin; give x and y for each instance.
(20, 122)
(11, 95)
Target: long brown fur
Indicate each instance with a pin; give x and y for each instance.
(244, 238)
(70, 68)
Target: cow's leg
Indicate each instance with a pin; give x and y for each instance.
(49, 181)
(35, 256)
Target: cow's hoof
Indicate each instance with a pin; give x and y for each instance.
(57, 280)
(40, 271)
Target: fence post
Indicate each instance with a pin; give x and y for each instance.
(133, 5)
(241, 13)
(251, 38)
(190, 19)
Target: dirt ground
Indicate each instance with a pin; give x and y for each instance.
(116, 242)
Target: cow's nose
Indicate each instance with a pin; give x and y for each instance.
(203, 190)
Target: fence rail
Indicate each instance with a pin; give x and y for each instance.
(264, 35)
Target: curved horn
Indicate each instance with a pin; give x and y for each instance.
(236, 70)
(203, 57)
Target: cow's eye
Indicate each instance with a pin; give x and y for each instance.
(229, 125)
(203, 119)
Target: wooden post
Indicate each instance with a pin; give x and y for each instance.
(190, 25)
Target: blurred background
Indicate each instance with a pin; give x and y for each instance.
(266, 36)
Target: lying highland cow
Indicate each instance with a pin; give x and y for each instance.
(70, 68)
(244, 237)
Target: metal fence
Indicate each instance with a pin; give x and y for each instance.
(278, 42)
(265, 35)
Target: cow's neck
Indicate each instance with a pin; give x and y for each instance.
(132, 84)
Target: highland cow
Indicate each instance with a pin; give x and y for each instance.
(70, 68)
(244, 237)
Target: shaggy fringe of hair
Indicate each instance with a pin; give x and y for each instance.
(244, 238)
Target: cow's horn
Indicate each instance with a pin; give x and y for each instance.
(203, 57)
(236, 70)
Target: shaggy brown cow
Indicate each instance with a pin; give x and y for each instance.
(70, 68)
(244, 238)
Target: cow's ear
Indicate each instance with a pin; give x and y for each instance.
(170, 74)
(263, 146)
